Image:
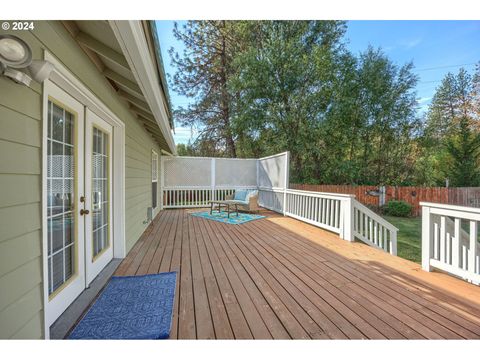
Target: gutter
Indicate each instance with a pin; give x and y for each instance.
(132, 39)
(161, 70)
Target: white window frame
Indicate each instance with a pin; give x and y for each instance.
(63, 78)
(155, 176)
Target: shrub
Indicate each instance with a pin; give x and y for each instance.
(398, 208)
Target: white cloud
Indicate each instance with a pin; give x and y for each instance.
(423, 100)
(411, 43)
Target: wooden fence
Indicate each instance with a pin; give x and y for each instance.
(372, 195)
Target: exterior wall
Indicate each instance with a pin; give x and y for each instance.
(21, 287)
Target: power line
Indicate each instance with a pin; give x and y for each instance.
(444, 67)
(429, 82)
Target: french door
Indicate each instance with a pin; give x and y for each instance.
(98, 184)
(78, 203)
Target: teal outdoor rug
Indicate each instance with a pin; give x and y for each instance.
(222, 217)
(131, 307)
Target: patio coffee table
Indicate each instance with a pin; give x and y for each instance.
(226, 204)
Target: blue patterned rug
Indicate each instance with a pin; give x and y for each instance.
(131, 307)
(222, 217)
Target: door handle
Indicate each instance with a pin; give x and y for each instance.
(84, 212)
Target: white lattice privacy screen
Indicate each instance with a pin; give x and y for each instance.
(193, 181)
(186, 172)
(237, 172)
(273, 171)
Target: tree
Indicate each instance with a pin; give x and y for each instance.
(282, 84)
(464, 148)
(372, 121)
(450, 149)
(203, 71)
(185, 150)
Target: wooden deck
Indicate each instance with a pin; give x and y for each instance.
(280, 278)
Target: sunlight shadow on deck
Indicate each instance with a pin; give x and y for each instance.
(404, 272)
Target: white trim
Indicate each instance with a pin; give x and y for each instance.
(162, 180)
(326, 195)
(451, 207)
(464, 274)
(131, 38)
(154, 158)
(287, 153)
(55, 306)
(206, 157)
(94, 266)
(46, 326)
(64, 79)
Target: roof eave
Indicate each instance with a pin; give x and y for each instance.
(132, 39)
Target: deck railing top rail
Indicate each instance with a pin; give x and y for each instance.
(323, 194)
(450, 240)
(464, 209)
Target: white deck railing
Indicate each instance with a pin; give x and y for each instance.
(339, 213)
(450, 240)
(186, 197)
(324, 210)
(373, 229)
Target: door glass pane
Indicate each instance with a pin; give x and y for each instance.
(100, 191)
(60, 195)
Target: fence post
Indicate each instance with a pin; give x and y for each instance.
(426, 238)
(213, 196)
(347, 231)
(382, 197)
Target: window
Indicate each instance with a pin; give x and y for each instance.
(154, 178)
(61, 220)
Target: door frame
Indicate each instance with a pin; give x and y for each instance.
(95, 264)
(65, 80)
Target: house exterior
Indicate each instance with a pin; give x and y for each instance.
(79, 163)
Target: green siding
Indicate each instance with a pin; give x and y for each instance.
(21, 296)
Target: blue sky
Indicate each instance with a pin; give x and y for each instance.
(435, 47)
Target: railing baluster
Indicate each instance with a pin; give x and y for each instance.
(456, 244)
(472, 251)
(448, 245)
(442, 238)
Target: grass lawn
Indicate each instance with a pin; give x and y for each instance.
(409, 237)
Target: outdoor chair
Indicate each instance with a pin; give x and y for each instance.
(247, 200)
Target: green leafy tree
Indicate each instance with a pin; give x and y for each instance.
(283, 85)
(372, 122)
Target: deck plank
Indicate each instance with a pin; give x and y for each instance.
(398, 297)
(281, 278)
(255, 322)
(209, 310)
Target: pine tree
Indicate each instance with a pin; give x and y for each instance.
(203, 71)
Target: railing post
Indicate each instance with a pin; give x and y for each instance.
(213, 196)
(286, 181)
(393, 242)
(162, 180)
(426, 238)
(347, 231)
